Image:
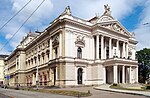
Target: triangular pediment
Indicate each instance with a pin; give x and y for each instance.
(105, 18)
(114, 25)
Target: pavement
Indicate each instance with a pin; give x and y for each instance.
(105, 87)
(102, 91)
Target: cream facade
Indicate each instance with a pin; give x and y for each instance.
(2, 67)
(73, 51)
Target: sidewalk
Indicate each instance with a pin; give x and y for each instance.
(106, 88)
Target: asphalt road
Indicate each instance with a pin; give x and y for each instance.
(29, 94)
(3, 96)
(96, 94)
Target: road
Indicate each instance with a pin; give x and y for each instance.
(29, 94)
(96, 94)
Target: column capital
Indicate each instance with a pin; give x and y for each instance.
(97, 34)
(101, 35)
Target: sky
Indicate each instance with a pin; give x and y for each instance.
(134, 15)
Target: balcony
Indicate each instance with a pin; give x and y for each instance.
(120, 61)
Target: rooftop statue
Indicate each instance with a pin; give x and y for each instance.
(107, 10)
(67, 11)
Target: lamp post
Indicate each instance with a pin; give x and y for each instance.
(37, 69)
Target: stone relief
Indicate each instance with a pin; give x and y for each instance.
(115, 27)
(80, 42)
(105, 18)
(55, 41)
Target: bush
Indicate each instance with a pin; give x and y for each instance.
(115, 84)
(148, 87)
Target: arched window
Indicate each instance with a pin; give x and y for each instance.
(79, 52)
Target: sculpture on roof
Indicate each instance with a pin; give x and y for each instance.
(67, 11)
(107, 10)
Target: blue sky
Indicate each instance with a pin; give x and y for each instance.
(130, 13)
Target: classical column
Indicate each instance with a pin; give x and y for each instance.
(19, 62)
(130, 77)
(33, 80)
(115, 74)
(16, 63)
(117, 50)
(123, 52)
(104, 76)
(60, 44)
(127, 50)
(102, 47)
(110, 43)
(104, 55)
(97, 46)
(136, 74)
(123, 74)
(50, 49)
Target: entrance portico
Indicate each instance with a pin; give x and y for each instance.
(120, 72)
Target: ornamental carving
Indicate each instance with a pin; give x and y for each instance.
(80, 42)
(107, 10)
(67, 11)
(105, 18)
(116, 27)
(55, 41)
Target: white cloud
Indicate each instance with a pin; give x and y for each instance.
(50, 9)
(88, 8)
(42, 13)
(36, 21)
(143, 31)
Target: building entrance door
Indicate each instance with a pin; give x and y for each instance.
(80, 72)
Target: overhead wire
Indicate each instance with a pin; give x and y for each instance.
(22, 24)
(14, 15)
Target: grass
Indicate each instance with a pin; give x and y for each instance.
(60, 92)
(130, 88)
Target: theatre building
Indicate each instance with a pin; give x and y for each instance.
(72, 51)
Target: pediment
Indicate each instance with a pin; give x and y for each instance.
(105, 18)
(115, 26)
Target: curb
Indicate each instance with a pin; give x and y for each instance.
(122, 92)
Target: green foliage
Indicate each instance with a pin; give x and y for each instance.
(143, 57)
(148, 87)
(115, 84)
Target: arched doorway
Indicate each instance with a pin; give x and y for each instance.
(80, 71)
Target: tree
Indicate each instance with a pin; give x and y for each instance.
(143, 57)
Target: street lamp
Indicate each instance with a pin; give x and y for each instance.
(37, 69)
